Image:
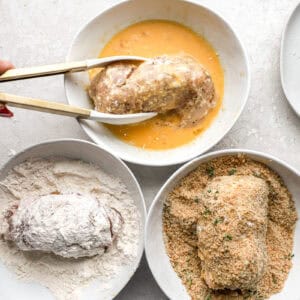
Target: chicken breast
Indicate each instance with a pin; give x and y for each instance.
(231, 232)
(66, 225)
(160, 84)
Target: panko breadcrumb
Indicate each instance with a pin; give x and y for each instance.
(181, 215)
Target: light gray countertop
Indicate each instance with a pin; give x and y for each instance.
(34, 32)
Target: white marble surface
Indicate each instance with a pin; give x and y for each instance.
(34, 32)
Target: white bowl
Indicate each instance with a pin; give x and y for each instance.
(93, 36)
(12, 288)
(289, 60)
(154, 245)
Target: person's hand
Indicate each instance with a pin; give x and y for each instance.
(4, 66)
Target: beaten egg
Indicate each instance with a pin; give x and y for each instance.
(153, 38)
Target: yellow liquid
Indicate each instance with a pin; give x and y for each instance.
(153, 38)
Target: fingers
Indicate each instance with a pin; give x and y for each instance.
(5, 65)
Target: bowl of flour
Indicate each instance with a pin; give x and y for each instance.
(66, 167)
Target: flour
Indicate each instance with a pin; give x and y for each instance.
(67, 277)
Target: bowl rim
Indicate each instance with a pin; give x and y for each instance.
(148, 162)
(136, 263)
(197, 161)
(281, 65)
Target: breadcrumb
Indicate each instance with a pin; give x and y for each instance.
(181, 214)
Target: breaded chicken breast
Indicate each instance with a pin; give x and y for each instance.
(231, 231)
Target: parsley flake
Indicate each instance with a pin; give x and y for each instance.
(207, 211)
(210, 171)
(218, 220)
(208, 297)
(227, 237)
(231, 172)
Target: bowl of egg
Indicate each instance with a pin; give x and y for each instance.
(197, 79)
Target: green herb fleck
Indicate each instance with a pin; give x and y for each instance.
(256, 174)
(217, 192)
(196, 199)
(227, 237)
(208, 297)
(290, 256)
(274, 279)
(218, 220)
(189, 281)
(210, 171)
(207, 211)
(209, 191)
(231, 172)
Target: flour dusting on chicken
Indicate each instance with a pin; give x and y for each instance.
(65, 223)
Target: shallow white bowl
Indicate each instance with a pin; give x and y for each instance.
(154, 245)
(10, 286)
(93, 36)
(290, 60)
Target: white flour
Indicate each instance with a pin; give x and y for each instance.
(66, 277)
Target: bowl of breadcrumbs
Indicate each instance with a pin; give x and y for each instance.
(224, 226)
